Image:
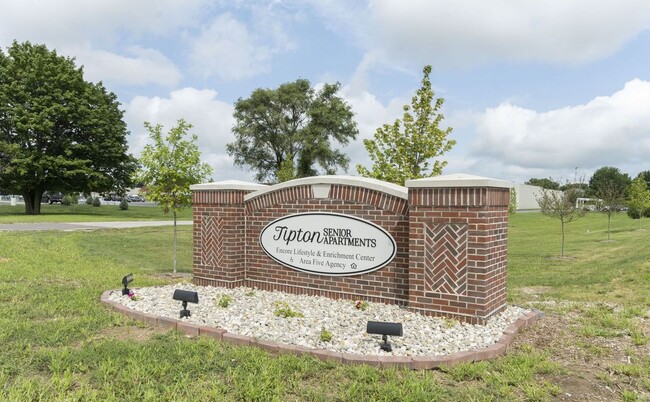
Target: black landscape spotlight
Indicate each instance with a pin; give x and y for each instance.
(384, 329)
(125, 281)
(186, 296)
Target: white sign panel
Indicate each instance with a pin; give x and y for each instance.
(328, 244)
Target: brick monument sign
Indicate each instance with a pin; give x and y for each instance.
(437, 245)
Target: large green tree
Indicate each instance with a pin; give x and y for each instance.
(292, 129)
(404, 150)
(57, 131)
(608, 178)
(169, 166)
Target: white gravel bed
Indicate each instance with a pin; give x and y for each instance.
(251, 313)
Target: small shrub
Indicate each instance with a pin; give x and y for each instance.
(97, 202)
(224, 301)
(124, 204)
(325, 335)
(282, 309)
(89, 200)
(361, 305)
(66, 200)
(450, 322)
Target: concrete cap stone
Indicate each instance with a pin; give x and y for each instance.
(228, 185)
(457, 180)
(355, 181)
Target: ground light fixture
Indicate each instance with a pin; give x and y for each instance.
(125, 281)
(186, 296)
(384, 329)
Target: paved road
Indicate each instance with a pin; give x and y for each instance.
(65, 226)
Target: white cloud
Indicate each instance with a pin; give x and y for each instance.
(143, 66)
(211, 119)
(608, 130)
(456, 33)
(227, 49)
(103, 35)
(230, 49)
(75, 21)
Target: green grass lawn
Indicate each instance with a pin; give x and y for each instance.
(87, 213)
(60, 343)
(594, 269)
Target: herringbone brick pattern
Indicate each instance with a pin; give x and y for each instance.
(212, 241)
(445, 248)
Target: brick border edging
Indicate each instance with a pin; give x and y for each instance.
(411, 362)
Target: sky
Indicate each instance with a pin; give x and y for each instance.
(532, 88)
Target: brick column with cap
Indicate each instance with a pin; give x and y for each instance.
(458, 235)
(219, 232)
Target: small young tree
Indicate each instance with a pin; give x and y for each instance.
(612, 195)
(639, 202)
(403, 150)
(513, 204)
(169, 166)
(558, 205)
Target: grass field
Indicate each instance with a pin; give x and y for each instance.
(60, 343)
(87, 213)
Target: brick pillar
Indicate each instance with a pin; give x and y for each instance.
(219, 232)
(458, 228)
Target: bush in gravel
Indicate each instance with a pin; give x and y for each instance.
(224, 301)
(325, 335)
(282, 309)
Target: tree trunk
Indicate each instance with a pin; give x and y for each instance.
(562, 238)
(609, 226)
(32, 199)
(174, 241)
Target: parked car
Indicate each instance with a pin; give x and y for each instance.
(52, 197)
(134, 198)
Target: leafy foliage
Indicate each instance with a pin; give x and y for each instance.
(513, 204)
(290, 130)
(325, 335)
(544, 183)
(282, 309)
(403, 150)
(224, 301)
(639, 203)
(169, 167)
(57, 131)
(124, 204)
(609, 180)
